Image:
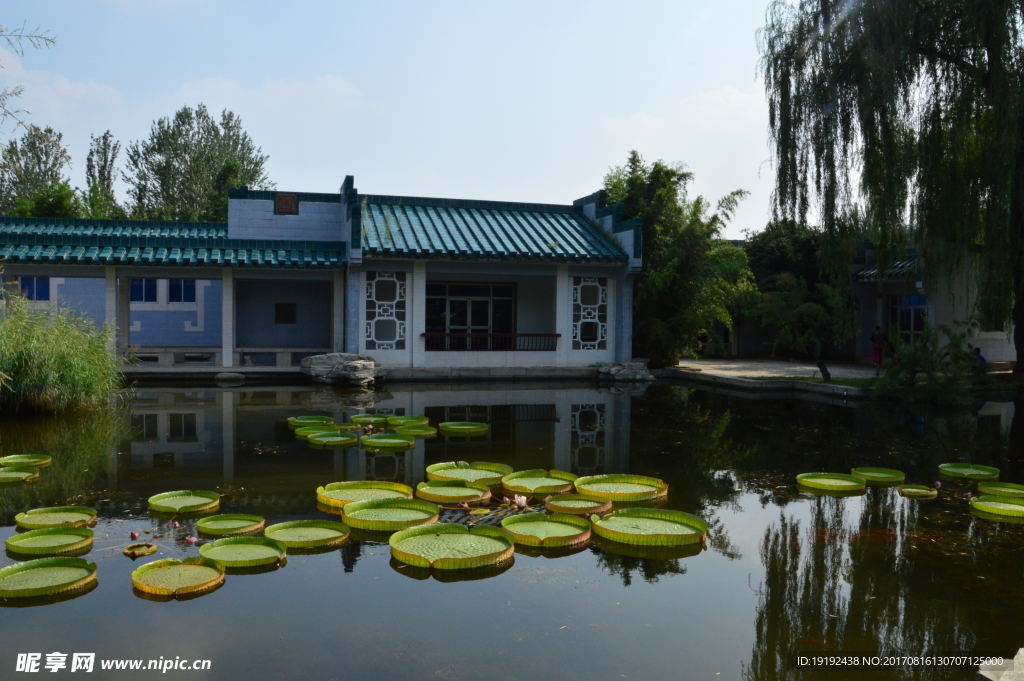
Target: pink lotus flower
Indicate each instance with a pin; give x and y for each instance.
(134, 536)
(505, 500)
(968, 495)
(520, 501)
(463, 505)
(175, 524)
(190, 540)
(938, 485)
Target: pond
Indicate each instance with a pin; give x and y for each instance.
(784, 572)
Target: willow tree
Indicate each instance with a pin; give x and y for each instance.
(912, 110)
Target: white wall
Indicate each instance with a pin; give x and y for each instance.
(316, 221)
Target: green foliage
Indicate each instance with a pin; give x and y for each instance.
(690, 278)
(56, 200)
(31, 164)
(936, 365)
(784, 247)
(183, 170)
(52, 360)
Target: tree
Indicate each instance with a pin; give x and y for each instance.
(16, 39)
(182, 170)
(100, 171)
(923, 105)
(784, 247)
(28, 166)
(56, 200)
(690, 279)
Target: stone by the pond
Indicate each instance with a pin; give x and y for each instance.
(340, 367)
(229, 378)
(624, 372)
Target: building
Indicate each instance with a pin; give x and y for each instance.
(427, 287)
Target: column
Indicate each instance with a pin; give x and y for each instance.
(624, 318)
(416, 314)
(124, 313)
(227, 321)
(110, 306)
(353, 293)
(563, 314)
(562, 455)
(227, 407)
(338, 312)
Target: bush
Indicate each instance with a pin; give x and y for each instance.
(53, 360)
(937, 365)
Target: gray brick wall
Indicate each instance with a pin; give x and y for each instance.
(316, 221)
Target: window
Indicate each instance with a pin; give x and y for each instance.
(471, 309)
(286, 204)
(285, 313)
(589, 313)
(144, 428)
(35, 288)
(143, 291)
(181, 291)
(908, 315)
(181, 428)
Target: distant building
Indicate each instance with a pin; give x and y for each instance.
(428, 287)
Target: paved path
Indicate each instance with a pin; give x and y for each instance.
(740, 368)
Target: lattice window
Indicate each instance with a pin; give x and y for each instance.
(589, 313)
(587, 424)
(385, 310)
(390, 467)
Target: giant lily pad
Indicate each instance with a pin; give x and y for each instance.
(243, 552)
(139, 550)
(1002, 506)
(478, 471)
(832, 482)
(389, 514)
(229, 524)
(337, 494)
(27, 460)
(452, 546)
(648, 552)
(918, 491)
(537, 529)
(184, 501)
(463, 428)
(55, 516)
(970, 471)
(297, 422)
(1001, 489)
(332, 440)
(388, 441)
(621, 487)
(650, 527)
(538, 481)
(14, 474)
(305, 432)
(577, 504)
(307, 534)
(453, 491)
(51, 541)
(173, 577)
(408, 420)
(371, 419)
(451, 576)
(418, 432)
(880, 476)
(45, 576)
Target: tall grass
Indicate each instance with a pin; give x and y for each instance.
(53, 360)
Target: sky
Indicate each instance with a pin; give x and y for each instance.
(509, 101)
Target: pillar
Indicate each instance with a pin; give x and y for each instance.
(338, 312)
(353, 293)
(110, 306)
(563, 314)
(624, 318)
(416, 314)
(124, 313)
(227, 406)
(227, 332)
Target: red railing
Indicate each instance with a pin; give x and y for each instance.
(491, 341)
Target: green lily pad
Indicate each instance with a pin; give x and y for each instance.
(577, 504)
(650, 527)
(1001, 489)
(51, 541)
(241, 552)
(478, 471)
(388, 441)
(918, 491)
(453, 491)
(306, 534)
(231, 523)
(305, 432)
(408, 420)
(1003, 506)
(348, 427)
(452, 546)
(538, 481)
(338, 494)
(297, 422)
(45, 576)
(332, 440)
(880, 476)
(18, 474)
(184, 501)
(173, 577)
(56, 516)
(648, 552)
(969, 471)
(418, 432)
(537, 529)
(622, 487)
(139, 550)
(27, 460)
(389, 514)
(832, 482)
(463, 428)
(371, 419)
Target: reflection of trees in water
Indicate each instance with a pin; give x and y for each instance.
(901, 578)
(625, 567)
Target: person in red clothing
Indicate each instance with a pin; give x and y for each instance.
(877, 346)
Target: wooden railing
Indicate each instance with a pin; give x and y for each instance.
(491, 341)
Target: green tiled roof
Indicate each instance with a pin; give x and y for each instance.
(449, 228)
(101, 242)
